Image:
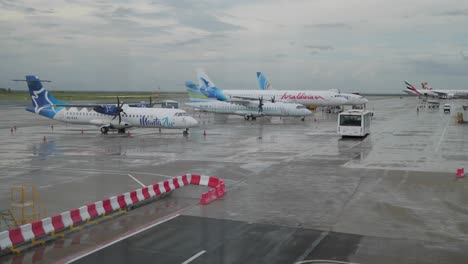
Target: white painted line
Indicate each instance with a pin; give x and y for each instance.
(45, 186)
(121, 238)
(312, 247)
(324, 261)
(442, 136)
(194, 257)
(83, 170)
(135, 179)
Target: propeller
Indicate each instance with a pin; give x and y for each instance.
(119, 111)
(260, 104)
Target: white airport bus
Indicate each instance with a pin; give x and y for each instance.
(354, 123)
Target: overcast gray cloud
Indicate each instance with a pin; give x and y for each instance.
(366, 45)
(336, 25)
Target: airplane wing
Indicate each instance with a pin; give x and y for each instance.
(79, 105)
(242, 100)
(440, 93)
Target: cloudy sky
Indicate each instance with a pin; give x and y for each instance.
(352, 45)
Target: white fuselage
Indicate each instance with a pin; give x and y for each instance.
(252, 109)
(450, 93)
(306, 98)
(133, 117)
(353, 99)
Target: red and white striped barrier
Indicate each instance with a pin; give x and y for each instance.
(33, 232)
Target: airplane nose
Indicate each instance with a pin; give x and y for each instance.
(193, 122)
(365, 100)
(307, 112)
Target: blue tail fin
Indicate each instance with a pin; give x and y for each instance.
(194, 93)
(208, 87)
(39, 95)
(43, 103)
(263, 82)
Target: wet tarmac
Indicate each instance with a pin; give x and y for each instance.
(296, 191)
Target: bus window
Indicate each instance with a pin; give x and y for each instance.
(350, 120)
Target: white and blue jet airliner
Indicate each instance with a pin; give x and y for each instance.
(117, 117)
(249, 109)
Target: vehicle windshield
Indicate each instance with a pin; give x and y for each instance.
(350, 120)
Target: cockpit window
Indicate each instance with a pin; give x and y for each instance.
(181, 114)
(300, 107)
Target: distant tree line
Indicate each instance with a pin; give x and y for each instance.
(5, 90)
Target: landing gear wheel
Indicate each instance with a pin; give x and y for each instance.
(254, 118)
(121, 131)
(303, 119)
(104, 130)
(246, 117)
(186, 132)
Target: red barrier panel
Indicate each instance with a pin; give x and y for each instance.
(184, 179)
(75, 216)
(57, 222)
(195, 179)
(219, 192)
(166, 186)
(212, 193)
(222, 186)
(37, 228)
(92, 210)
(121, 201)
(134, 197)
(213, 182)
(156, 189)
(107, 205)
(146, 193)
(205, 199)
(175, 181)
(16, 236)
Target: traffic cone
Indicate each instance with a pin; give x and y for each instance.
(204, 133)
(44, 139)
(128, 134)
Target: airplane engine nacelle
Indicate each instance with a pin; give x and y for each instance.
(119, 126)
(106, 109)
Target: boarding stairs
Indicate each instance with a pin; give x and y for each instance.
(7, 220)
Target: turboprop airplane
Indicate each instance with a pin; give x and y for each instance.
(306, 97)
(248, 109)
(351, 99)
(107, 117)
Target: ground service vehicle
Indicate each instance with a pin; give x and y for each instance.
(354, 123)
